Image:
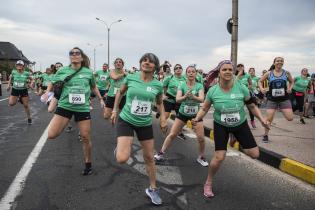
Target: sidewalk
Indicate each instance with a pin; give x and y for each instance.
(289, 142)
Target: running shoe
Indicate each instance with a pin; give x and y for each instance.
(159, 156)
(79, 137)
(154, 195)
(29, 121)
(69, 129)
(253, 124)
(87, 171)
(265, 139)
(202, 161)
(207, 190)
(157, 115)
(302, 121)
(181, 136)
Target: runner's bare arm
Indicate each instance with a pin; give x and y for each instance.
(160, 108)
(291, 82)
(256, 112)
(203, 111)
(201, 96)
(118, 98)
(261, 80)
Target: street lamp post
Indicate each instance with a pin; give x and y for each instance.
(94, 52)
(108, 30)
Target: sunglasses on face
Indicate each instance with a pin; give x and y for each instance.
(178, 68)
(72, 53)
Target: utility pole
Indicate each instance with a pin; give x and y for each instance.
(234, 40)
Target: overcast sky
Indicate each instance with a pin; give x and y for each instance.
(181, 31)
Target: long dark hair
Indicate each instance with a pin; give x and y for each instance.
(215, 72)
(86, 61)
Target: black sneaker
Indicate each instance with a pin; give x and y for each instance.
(29, 121)
(157, 115)
(181, 136)
(265, 139)
(302, 121)
(87, 171)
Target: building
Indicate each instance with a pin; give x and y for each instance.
(9, 54)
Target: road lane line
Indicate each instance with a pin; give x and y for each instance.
(4, 99)
(18, 183)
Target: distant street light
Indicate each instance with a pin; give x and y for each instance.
(108, 30)
(94, 49)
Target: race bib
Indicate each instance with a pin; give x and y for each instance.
(116, 90)
(191, 110)
(77, 96)
(103, 77)
(19, 84)
(278, 92)
(230, 118)
(141, 108)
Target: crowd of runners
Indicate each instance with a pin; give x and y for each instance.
(128, 98)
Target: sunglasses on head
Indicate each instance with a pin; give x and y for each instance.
(74, 53)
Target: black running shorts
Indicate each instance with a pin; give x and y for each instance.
(124, 128)
(78, 116)
(111, 100)
(242, 133)
(19, 92)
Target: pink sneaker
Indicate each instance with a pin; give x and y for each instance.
(253, 124)
(207, 190)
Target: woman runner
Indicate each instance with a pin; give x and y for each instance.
(74, 100)
(189, 94)
(115, 80)
(142, 90)
(301, 84)
(229, 97)
(19, 81)
(170, 85)
(278, 92)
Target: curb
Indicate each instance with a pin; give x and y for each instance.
(285, 164)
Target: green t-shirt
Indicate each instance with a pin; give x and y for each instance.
(114, 86)
(102, 79)
(76, 92)
(254, 83)
(47, 78)
(244, 79)
(190, 107)
(200, 78)
(172, 82)
(20, 80)
(301, 84)
(228, 106)
(139, 100)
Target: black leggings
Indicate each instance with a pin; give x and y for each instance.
(252, 117)
(299, 99)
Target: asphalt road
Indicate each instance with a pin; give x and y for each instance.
(54, 181)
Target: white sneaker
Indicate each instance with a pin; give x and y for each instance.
(202, 161)
(159, 156)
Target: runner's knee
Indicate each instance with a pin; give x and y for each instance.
(122, 158)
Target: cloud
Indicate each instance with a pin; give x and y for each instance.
(179, 31)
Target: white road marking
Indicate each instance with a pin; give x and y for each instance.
(18, 183)
(4, 99)
(165, 174)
